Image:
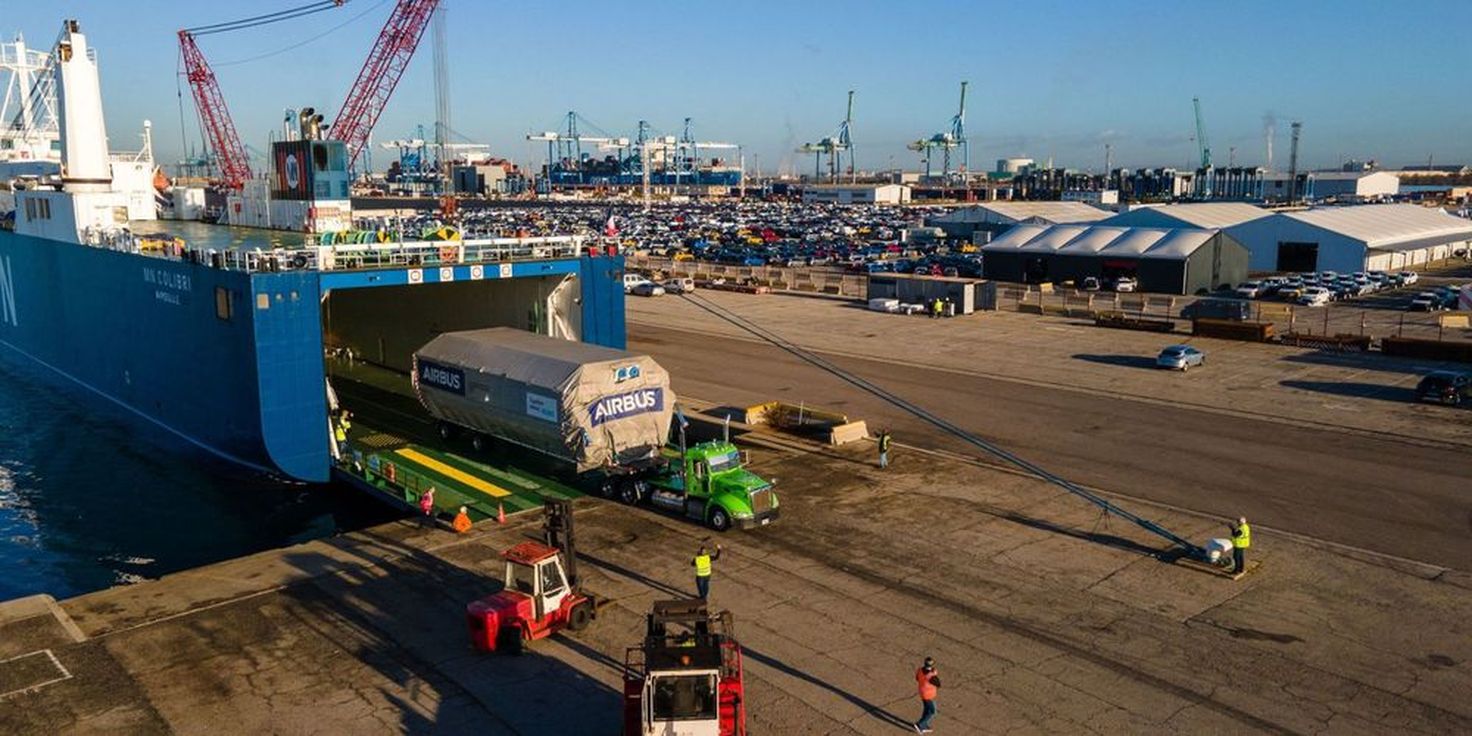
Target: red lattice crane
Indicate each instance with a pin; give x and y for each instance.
(381, 73)
(214, 115)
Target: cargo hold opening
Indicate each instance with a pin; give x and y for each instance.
(383, 326)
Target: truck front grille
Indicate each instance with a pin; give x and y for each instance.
(761, 501)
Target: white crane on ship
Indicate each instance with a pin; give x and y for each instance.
(28, 107)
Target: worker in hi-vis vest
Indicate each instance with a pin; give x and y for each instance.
(703, 569)
(1241, 540)
(340, 432)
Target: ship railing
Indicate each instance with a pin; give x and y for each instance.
(441, 253)
(341, 257)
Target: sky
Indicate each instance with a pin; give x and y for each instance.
(1048, 78)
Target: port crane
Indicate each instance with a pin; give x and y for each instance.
(834, 147)
(366, 99)
(1204, 149)
(568, 146)
(945, 142)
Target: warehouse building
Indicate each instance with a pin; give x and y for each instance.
(983, 222)
(1357, 186)
(1369, 237)
(856, 193)
(1203, 215)
(1164, 261)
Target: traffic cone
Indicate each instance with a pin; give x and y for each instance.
(500, 513)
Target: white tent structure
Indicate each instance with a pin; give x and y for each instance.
(1365, 237)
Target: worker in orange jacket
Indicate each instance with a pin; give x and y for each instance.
(928, 680)
(461, 524)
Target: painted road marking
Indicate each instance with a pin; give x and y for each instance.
(452, 472)
(64, 674)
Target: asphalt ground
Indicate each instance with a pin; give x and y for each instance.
(1383, 487)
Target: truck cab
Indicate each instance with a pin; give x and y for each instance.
(708, 482)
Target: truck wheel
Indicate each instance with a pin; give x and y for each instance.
(628, 492)
(446, 431)
(478, 441)
(720, 520)
(580, 616)
(608, 488)
(508, 641)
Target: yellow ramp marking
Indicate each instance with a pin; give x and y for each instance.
(450, 472)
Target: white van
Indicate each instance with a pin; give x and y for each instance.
(634, 279)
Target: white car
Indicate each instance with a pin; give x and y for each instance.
(1125, 285)
(1315, 296)
(679, 285)
(1409, 277)
(1249, 289)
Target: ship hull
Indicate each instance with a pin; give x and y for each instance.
(225, 361)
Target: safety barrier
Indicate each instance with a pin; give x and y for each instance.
(1338, 343)
(1121, 321)
(1408, 347)
(1228, 329)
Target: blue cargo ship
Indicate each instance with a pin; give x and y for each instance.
(222, 339)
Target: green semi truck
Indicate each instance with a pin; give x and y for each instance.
(607, 413)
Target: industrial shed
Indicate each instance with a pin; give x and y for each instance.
(1346, 239)
(856, 194)
(1203, 215)
(981, 223)
(1355, 185)
(1165, 261)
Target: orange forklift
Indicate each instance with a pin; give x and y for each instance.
(685, 679)
(541, 596)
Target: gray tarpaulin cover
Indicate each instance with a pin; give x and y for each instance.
(586, 404)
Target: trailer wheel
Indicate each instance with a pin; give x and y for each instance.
(580, 616)
(478, 441)
(720, 520)
(508, 641)
(628, 492)
(446, 431)
(608, 488)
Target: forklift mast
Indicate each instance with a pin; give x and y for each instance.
(557, 532)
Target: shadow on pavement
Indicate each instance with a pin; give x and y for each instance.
(1108, 540)
(1357, 390)
(1126, 361)
(639, 577)
(1363, 361)
(403, 616)
(877, 711)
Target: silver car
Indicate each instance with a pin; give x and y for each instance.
(1180, 358)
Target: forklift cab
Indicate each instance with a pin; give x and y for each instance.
(535, 570)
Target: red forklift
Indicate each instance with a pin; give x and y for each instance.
(685, 679)
(541, 596)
